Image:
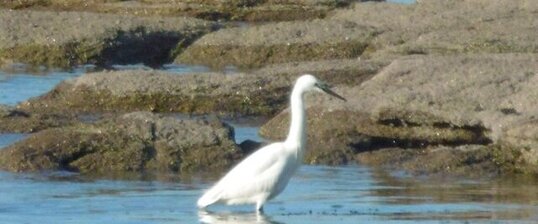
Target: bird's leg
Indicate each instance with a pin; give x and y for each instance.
(259, 207)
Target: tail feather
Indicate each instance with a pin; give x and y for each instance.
(209, 198)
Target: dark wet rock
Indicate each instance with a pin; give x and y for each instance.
(158, 91)
(64, 39)
(244, 10)
(256, 46)
(139, 141)
(422, 101)
(248, 146)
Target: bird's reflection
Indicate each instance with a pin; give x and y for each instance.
(234, 217)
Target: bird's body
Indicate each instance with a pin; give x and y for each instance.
(258, 178)
(265, 173)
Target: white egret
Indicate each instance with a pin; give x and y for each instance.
(265, 173)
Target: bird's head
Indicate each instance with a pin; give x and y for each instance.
(309, 82)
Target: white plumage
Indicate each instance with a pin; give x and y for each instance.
(265, 173)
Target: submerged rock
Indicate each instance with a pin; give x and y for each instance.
(429, 101)
(139, 141)
(64, 39)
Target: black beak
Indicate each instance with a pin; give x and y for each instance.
(327, 89)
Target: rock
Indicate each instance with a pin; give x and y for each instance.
(464, 160)
(64, 39)
(423, 101)
(370, 30)
(5, 110)
(451, 27)
(139, 141)
(244, 10)
(256, 46)
(524, 136)
(263, 92)
(19, 121)
(348, 72)
(152, 90)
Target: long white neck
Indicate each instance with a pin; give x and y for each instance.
(297, 133)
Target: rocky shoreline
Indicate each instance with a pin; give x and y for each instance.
(435, 87)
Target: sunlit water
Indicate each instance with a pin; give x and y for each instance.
(18, 87)
(317, 194)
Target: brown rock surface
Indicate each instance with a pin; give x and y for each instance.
(139, 141)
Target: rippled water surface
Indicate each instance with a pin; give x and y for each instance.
(317, 194)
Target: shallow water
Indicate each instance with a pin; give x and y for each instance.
(18, 87)
(317, 194)
(6, 139)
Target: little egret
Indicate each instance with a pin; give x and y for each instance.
(265, 173)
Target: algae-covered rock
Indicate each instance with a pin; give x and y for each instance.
(256, 46)
(160, 91)
(139, 141)
(19, 121)
(14, 120)
(64, 39)
(422, 101)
